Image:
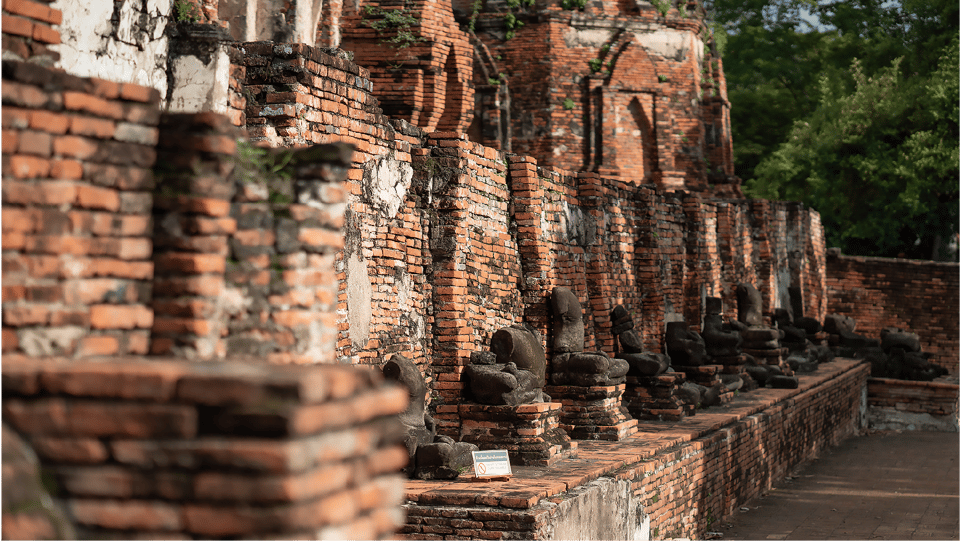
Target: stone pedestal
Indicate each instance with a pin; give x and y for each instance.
(593, 413)
(531, 433)
(655, 398)
(708, 375)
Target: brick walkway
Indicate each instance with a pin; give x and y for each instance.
(887, 485)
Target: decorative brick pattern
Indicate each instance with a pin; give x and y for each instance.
(167, 448)
(919, 296)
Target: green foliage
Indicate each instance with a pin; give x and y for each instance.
(512, 24)
(790, 83)
(662, 78)
(186, 12)
(595, 65)
(568, 104)
(879, 161)
(573, 4)
(398, 22)
(474, 13)
(663, 6)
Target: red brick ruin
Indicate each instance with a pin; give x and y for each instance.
(193, 349)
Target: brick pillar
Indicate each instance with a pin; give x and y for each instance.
(77, 155)
(192, 222)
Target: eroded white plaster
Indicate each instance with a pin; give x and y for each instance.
(201, 86)
(129, 48)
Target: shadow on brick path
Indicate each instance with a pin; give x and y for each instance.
(884, 485)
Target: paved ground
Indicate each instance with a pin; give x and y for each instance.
(889, 485)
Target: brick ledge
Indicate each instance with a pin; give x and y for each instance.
(530, 485)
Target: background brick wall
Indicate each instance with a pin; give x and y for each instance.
(172, 449)
(919, 296)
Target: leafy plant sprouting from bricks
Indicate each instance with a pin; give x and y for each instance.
(186, 12)
(266, 166)
(510, 21)
(394, 26)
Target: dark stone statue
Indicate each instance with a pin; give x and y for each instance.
(721, 339)
(571, 366)
(631, 347)
(685, 347)
(432, 456)
(749, 305)
(512, 373)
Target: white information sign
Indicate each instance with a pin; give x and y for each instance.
(491, 463)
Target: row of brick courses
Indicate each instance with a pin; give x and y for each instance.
(930, 397)
(193, 230)
(687, 475)
(77, 159)
(918, 296)
(28, 31)
(166, 448)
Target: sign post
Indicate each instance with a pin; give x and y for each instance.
(492, 465)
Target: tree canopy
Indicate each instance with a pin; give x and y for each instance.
(856, 116)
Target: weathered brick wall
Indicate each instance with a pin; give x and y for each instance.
(930, 397)
(688, 490)
(166, 448)
(77, 159)
(919, 296)
(28, 31)
(685, 477)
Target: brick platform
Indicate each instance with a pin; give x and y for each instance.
(655, 398)
(593, 413)
(683, 472)
(167, 449)
(531, 432)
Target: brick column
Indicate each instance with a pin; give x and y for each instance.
(192, 222)
(77, 155)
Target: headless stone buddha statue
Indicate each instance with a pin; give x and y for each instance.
(432, 455)
(571, 365)
(631, 346)
(513, 372)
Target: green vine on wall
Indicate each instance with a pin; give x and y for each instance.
(398, 22)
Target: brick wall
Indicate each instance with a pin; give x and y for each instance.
(913, 405)
(28, 31)
(919, 296)
(172, 449)
(685, 477)
(77, 183)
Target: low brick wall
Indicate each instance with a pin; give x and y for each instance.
(673, 479)
(173, 449)
(912, 405)
(920, 296)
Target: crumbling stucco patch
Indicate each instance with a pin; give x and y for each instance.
(199, 85)
(117, 41)
(671, 43)
(385, 183)
(359, 298)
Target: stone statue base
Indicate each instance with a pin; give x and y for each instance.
(707, 375)
(656, 398)
(593, 413)
(531, 433)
